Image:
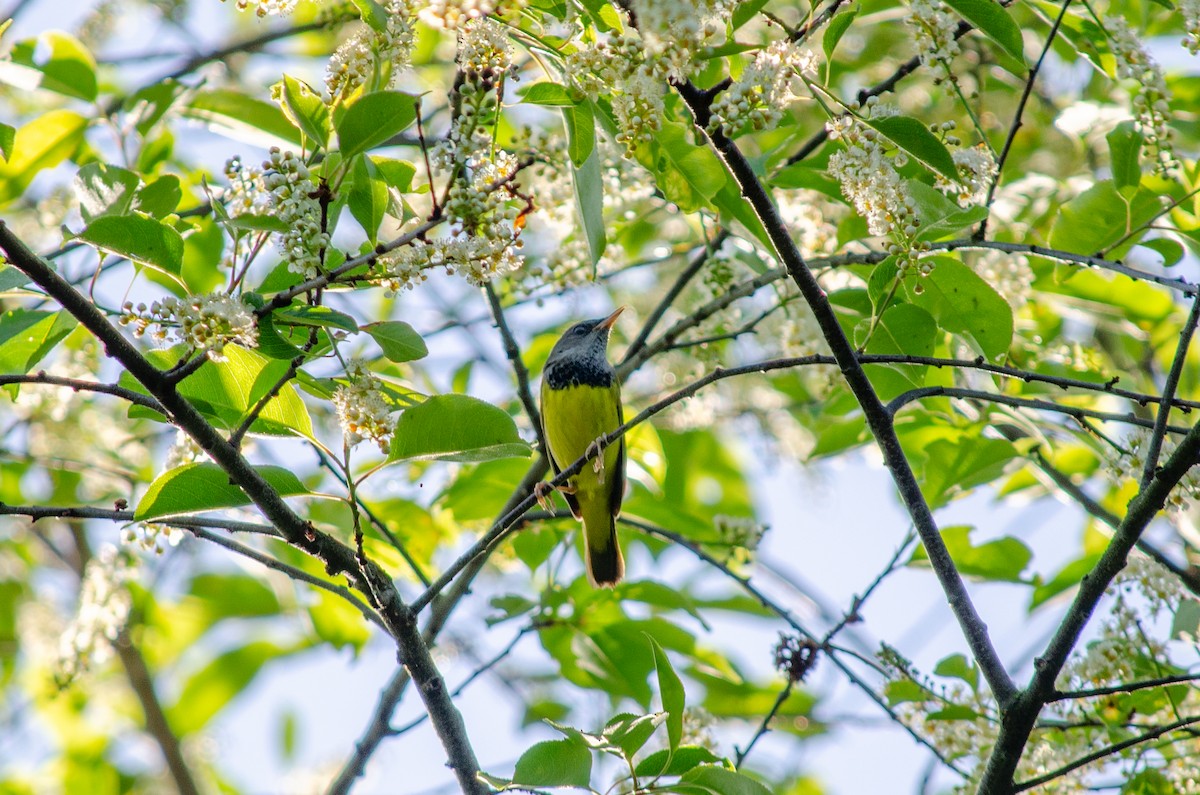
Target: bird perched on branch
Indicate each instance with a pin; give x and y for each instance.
(581, 402)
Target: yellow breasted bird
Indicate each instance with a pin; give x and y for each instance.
(581, 401)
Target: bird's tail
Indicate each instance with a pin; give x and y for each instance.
(602, 552)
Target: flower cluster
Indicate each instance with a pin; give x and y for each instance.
(203, 322)
(150, 536)
(977, 170)
(183, 451)
(266, 8)
(293, 195)
(362, 409)
(1128, 464)
(1010, 274)
(674, 32)
(1191, 24)
(934, 27)
(451, 14)
(483, 49)
(758, 98)
(870, 181)
(1152, 101)
(104, 604)
(617, 68)
(246, 194)
(356, 58)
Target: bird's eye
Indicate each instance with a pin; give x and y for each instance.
(580, 330)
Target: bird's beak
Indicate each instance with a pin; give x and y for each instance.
(608, 322)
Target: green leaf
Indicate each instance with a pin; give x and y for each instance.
(243, 117)
(915, 138)
(670, 690)
(581, 132)
(368, 197)
(1186, 623)
(159, 198)
(1066, 578)
(211, 688)
(398, 174)
(373, 119)
(1125, 151)
(54, 61)
(337, 622)
(745, 11)
(589, 201)
(1172, 250)
(665, 763)
(958, 667)
(103, 189)
(26, 336)
(939, 216)
(1100, 216)
(398, 340)
(224, 391)
(834, 31)
(547, 93)
(688, 175)
(902, 329)
(630, 732)
(713, 780)
(456, 428)
(555, 763)
(8, 135)
(137, 238)
(1001, 560)
(993, 19)
(193, 488)
(42, 143)
(321, 316)
(234, 595)
(964, 304)
(11, 278)
(955, 466)
(305, 109)
(373, 14)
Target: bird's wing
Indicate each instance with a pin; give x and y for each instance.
(618, 475)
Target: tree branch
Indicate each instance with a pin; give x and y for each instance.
(877, 417)
(337, 557)
(41, 377)
(1019, 718)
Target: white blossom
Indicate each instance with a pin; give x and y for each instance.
(1152, 98)
(293, 196)
(1191, 24)
(104, 604)
(768, 85)
(934, 26)
(266, 8)
(362, 408)
(356, 58)
(977, 170)
(203, 322)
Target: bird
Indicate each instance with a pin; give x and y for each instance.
(581, 401)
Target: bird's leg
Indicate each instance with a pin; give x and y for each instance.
(598, 462)
(543, 490)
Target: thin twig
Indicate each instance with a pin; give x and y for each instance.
(520, 371)
(1154, 445)
(981, 233)
(41, 377)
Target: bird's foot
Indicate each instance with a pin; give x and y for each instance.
(597, 462)
(542, 491)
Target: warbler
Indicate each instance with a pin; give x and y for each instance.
(581, 401)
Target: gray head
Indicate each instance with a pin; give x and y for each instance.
(581, 354)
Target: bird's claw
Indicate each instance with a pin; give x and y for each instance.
(598, 462)
(542, 491)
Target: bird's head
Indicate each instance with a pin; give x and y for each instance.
(585, 339)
